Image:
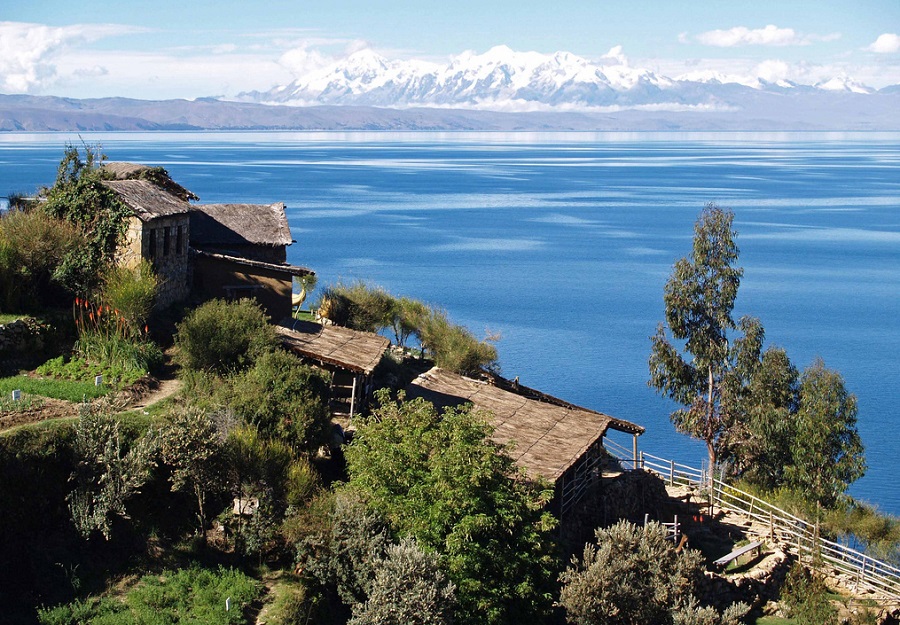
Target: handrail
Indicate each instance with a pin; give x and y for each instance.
(796, 535)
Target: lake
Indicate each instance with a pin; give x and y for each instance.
(562, 242)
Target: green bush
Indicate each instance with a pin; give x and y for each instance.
(130, 292)
(224, 336)
(285, 399)
(806, 597)
(33, 246)
(358, 306)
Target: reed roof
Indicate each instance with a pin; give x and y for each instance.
(355, 351)
(546, 438)
(147, 200)
(240, 224)
(120, 170)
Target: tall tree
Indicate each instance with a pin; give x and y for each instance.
(828, 456)
(439, 478)
(699, 298)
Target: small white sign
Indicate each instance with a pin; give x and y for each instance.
(17, 395)
(98, 380)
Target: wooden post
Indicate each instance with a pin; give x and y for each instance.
(634, 450)
(642, 460)
(671, 473)
(771, 526)
(676, 529)
(353, 396)
(646, 518)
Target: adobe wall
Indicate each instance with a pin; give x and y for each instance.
(221, 278)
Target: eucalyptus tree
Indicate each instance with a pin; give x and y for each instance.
(699, 298)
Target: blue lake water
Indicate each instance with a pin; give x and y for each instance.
(562, 242)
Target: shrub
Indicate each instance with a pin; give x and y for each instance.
(33, 246)
(409, 588)
(285, 399)
(634, 575)
(131, 291)
(358, 306)
(453, 347)
(805, 596)
(224, 336)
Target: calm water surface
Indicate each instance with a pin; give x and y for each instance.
(562, 243)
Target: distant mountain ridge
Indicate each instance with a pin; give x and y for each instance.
(502, 79)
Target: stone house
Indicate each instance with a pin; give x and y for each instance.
(157, 231)
(202, 252)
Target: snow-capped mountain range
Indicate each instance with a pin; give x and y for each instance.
(505, 80)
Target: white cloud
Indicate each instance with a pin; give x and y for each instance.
(29, 53)
(771, 35)
(303, 59)
(616, 55)
(887, 43)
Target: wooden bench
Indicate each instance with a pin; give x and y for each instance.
(737, 553)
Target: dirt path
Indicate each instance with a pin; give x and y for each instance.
(166, 389)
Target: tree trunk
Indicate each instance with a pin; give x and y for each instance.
(710, 429)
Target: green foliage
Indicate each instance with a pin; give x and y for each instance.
(372, 309)
(83, 372)
(699, 297)
(438, 478)
(409, 588)
(68, 390)
(284, 399)
(758, 442)
(191, 446)
(408, 318)
(828, 455)
(341, 554)
(130, 292)
(631, 575)
(78, 197)
(110, 471)
(192, 596)
(222, 336)
(806, 598)
(454, 348)
(358, 306)
(33, 246)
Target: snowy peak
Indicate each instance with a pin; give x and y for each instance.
(505, 79)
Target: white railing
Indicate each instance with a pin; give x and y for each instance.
(795, 534)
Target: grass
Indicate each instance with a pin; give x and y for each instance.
(69, 390)
(773, 620)
(9, 317)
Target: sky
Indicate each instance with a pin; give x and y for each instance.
(219, 48)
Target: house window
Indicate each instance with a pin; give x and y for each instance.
(151, 244)
(166, 241)
(179, 241)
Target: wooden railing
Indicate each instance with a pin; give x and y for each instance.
(796, 535)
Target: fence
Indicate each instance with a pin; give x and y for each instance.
(795, 534)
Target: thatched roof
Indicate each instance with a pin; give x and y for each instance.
(222, 225)
(147, 200)
(294, 270)
(547, 438)
(355, 351)
(118, 170)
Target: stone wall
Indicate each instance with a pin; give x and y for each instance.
(164, 242)
(20, 341)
